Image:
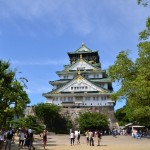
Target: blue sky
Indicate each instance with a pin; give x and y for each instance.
(35, 35)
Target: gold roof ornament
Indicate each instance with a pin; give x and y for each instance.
(80, 56)
(78, 72)
(55, 92)
(80, 60)
(83, 44)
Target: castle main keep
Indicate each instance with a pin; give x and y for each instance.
(82, 86)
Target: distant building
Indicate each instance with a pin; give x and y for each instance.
(29, 111)
(83, 86)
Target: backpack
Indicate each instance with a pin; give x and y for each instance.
(9, 135)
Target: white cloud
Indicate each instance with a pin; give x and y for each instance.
(83, 17)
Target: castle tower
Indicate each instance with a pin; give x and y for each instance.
(82, 86)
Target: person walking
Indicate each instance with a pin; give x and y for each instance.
(91, 138)
(87, 136)
(72, 137)
(44, 138)
(31, 139)
(2, 137)
(9, 136)
(26, 142)
(21, 138)
(78, 137)
(99, 137)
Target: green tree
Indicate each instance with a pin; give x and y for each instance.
(122, 72)
(121, 116)
(134, 78)
(48, 114)
(145, 34)
(13, 97)
(29, 122)
(65, 123)
(143, 2)
(92, 120)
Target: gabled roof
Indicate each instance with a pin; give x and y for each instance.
(81, 64)
(79, 83)
(60, 81)
(82, 49)
(69, 72)
(101, 80)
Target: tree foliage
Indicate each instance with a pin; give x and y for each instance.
(145, 34)
(93, 121)
(135, 83)
(29, 122)
(13, 97)
(47, 113)
(123, 72)
(134, 78)
(50, 115)
(121, 116)
(143, 2)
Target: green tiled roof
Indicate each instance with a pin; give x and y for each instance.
(66, 71)
(101, 80)
(49, 94)
(82, 49)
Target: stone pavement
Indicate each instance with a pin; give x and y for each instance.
(62, 142)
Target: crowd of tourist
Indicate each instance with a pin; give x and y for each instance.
(25, 138)
(89, 134)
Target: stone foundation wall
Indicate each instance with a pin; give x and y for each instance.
(73, 113)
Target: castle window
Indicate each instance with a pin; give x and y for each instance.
(85, 75)
(87, 98)
(102, 84)
(70, 98)
(96, 75)
(81, 68)
(71, 88)
(65, 77)
(103, 97)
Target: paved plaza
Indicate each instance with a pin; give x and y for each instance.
(61, 142)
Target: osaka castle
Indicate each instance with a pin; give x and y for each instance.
(82, 85)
